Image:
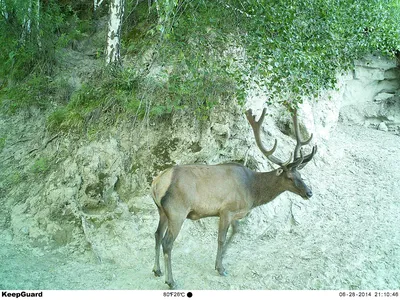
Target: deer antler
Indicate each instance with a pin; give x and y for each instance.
(299, 161)
(256, 125)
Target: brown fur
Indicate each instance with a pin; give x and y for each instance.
(228, 191)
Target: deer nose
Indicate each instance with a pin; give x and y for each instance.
(309, 193)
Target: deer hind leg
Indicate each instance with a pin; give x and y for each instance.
(162, 226)
(174, 226)
(224, 222)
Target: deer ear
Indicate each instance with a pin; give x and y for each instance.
(279, 172)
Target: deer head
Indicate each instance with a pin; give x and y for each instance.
(290, 178)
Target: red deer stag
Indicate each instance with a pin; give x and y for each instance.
(228, 191)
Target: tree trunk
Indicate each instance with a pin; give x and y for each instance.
(96, 4)
(39, 43)
(114, 31)
(3, 9)
(31, 23)
(26, 26)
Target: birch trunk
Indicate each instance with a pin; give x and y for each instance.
(39, 43)
(32, 15)
(26, 30)
(96, 4)
(3, 9)
(114, 31)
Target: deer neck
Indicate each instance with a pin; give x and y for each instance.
(267, 186)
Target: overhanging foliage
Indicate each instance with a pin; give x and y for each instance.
(295, 48)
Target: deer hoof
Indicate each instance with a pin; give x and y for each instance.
(222, 272)
(157, 273)
(172, 285)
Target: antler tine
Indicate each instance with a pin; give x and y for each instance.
(299, 142)
(256, 125)
(299, 160)
(307, 158)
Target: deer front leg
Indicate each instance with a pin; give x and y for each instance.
(167, 243)
(235, 226)
(224, 222)
(292, 219)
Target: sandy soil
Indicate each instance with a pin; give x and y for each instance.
(348, 236)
